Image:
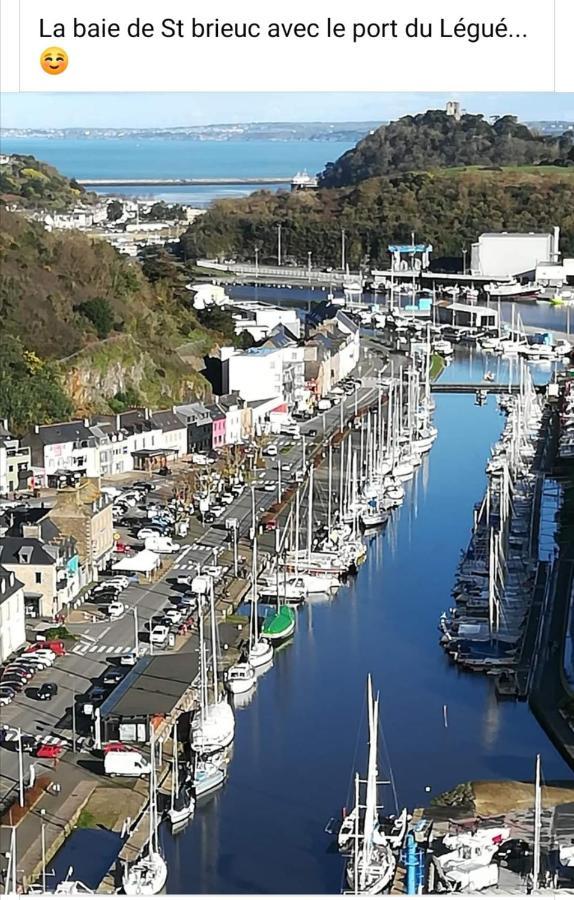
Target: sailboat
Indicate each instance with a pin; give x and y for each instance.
(148, 875)
(260, 650)
(213, 727)
(240, 678)
(280, 625)
(182, 804)
(372, 863)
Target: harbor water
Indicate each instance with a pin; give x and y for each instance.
(302, 736)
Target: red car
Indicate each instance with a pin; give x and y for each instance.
(49, 751)
(56, 647)
(116, 747)
(122, 548)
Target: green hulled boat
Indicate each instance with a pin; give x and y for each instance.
(280, 625)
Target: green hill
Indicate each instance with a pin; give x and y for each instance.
(32, 183)
(83, 320)
(447, 207)
(435, 140)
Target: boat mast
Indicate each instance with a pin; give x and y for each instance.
(330, 488)
(537, 823)
(214, 647)
(310, 518)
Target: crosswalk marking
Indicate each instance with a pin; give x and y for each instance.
(83, 647)
(183, 553)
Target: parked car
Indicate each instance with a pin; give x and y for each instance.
(174, 615)
(312, 432)
(122, 548)
(105, 588)
(19, 672)
(227, 498)
(271, 450)
(216, 511)
(209, 517)
(145, 533)
(56, 647)
(15, 684)
(46, 691)
(7, 694)
(49, 751)
(146, 486)
(122, 581)
(158, 635)
(129, 659)
(269, 486)
(116, 609)
(183, 580)
(113, 676)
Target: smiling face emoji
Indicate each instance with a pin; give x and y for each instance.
(54, 61)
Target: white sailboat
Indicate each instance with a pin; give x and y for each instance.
(260, 650)
(148, 875)
(372, 863)
(182, 804)
(240, 678)
(213, 726)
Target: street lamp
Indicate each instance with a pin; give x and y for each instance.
(279, 482)
(136, 631)
(309, 264)
(342, 249)
(278, 245)
(20, 769)
(257, 262)
(464, 252)
(43, 813)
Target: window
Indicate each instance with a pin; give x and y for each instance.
(38, 577)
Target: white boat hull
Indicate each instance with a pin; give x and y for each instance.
(260, 654)
(146, 877)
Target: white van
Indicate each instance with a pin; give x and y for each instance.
(324, 404)
(129, 763)
(161, 544)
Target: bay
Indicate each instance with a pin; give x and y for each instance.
(100, 158)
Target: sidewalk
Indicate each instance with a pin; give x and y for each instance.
(61, 813)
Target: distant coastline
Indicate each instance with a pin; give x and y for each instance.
(256, 131)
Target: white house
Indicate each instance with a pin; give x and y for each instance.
(231, 404)
(12, 621)
(63, 447)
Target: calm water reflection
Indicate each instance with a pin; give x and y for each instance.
(300, 738)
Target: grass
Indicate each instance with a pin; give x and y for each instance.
(86, 819)
(437, 365)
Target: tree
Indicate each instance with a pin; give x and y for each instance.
(100, 313)
(115, 211)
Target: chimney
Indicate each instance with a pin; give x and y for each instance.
(86, 423)
(118, 422)
(36, 429)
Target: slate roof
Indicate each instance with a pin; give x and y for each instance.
(11, 549)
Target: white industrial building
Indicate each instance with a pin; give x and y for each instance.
(510, 254)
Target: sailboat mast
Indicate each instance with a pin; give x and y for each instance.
(213, 642)
(537, 817)
(310, 517)
(330, 488)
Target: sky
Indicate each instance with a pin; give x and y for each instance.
(58, 110)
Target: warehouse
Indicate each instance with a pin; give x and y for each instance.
(512, 254)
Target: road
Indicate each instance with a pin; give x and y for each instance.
(101, 642)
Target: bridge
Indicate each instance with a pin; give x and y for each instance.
(444, 387)
(181, 182)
